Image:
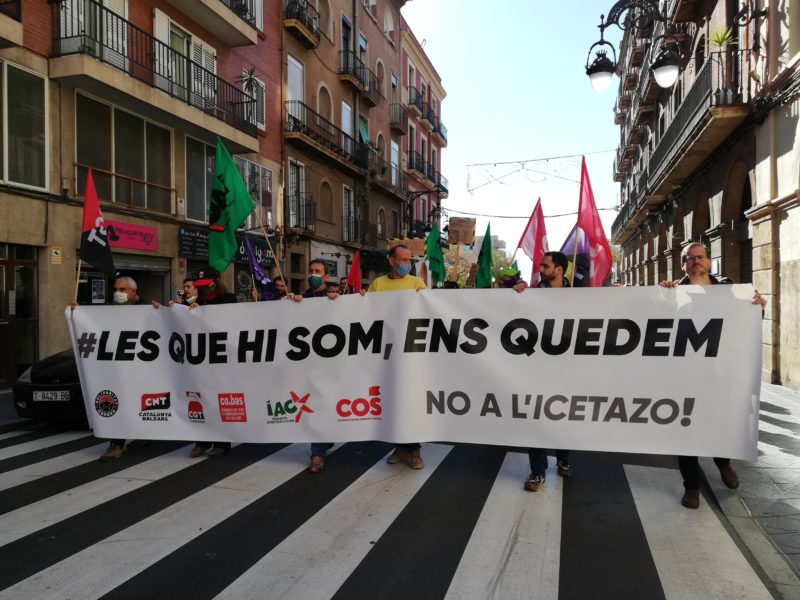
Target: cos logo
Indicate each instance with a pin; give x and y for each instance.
(361, 407)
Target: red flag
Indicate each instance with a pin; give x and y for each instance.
(94, 238)
(592, 228)
(534, 241)
(354, 275)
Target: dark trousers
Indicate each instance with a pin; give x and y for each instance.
(117, 443)
(538, 459)
(225, 445)
(690, 469)
(408, 447)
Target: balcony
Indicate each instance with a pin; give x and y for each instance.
(415, 101)
(686, 11)
(373, 93)
(313, 132)
(641, 111)
(399, 119)
(386, 175)
(440, 131)
(713, 108)
(352, 70)
(441, 185)
(232, 21)
(302, 21)
(428, 115)
(106, 55)
(416, 166)
(10, 23)
(357, 230)
(299, 210)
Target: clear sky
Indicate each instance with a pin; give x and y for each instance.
(516, 91)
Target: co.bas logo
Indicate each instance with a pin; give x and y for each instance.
(361, 409)
(232, 407)
(195, 408)
(288, 411)
(155, 407)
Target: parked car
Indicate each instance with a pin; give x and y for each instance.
(51, 389)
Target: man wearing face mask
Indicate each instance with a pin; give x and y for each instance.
(399, 279)
(125, 293)
(509, 278)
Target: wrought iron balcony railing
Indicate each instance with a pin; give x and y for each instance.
(399, 119)
(415, 100)
(300, 118)
(441, 131)
(302, 12)
(358, 230)
(350, 64)
(417, 163)
(373, 92)
(244, 9)
(300, 210)
(87, 27)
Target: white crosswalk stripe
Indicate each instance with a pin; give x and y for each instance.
(513, 550)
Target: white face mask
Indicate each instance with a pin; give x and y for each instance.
(120, 298)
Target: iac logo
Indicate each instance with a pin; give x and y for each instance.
(361, 409)
(155, 407)
(195, 408)
(288, 411)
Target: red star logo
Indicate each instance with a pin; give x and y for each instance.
(301, 403)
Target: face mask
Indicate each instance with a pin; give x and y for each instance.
(314, 281)
(403, 269)
(120, 298)
(509, 283)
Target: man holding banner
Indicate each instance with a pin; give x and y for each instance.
(697, 266)
(551, 275)
(399, 279)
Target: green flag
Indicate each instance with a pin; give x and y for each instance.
(484, 278)
(433, 250)
(230, 205)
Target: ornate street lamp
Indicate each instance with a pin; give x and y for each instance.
(665, 66)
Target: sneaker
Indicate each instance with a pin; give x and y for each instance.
(534, 483)
(197, 451)
(317, 464)
(691, 498)
(398, 456)
(113, 453)
(217, 451)
(564, 468)
(415, 460)
(729, 477)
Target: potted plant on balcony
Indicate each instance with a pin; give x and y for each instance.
(249, 82)
(723, 40)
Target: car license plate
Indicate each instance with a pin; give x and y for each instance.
(51, 396)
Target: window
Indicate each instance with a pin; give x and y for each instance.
(350, 214)
(199, 177)
(24, 139)
(382, 224)
(395, 161)
(258, 181)
(255, 114)
(395, 99)
(132, 156)
(325, 208)
(388, 24)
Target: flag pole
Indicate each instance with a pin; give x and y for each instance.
(253, 281)
(77, 281)
(574, 256)
(269, 245)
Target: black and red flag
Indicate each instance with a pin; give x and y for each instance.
(94, 237)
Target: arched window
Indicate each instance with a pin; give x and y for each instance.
(381, 73)
(325, 18)
(324, 103)
(325, 210)
(381, 145)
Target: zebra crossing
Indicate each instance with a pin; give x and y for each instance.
(254, 524)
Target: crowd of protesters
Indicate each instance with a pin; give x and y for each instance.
(207, 288)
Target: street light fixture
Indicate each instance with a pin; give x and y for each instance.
(666, 65)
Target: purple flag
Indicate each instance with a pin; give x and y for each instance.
(255, 268)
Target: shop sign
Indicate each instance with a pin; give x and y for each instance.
(193, 244)
(128, 235)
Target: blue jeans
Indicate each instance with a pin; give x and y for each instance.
(538, 459)
(320, 448)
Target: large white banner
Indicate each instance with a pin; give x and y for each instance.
(647, 370)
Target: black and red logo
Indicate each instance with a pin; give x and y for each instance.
(155, 401)
(361, 409)
(106, 403)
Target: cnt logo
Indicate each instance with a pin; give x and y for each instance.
(155, 407)
(232, 408)
(195, 408)
(106, 403)
(290, 410)
(361, 409)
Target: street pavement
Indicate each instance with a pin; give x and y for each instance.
(253, 524)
